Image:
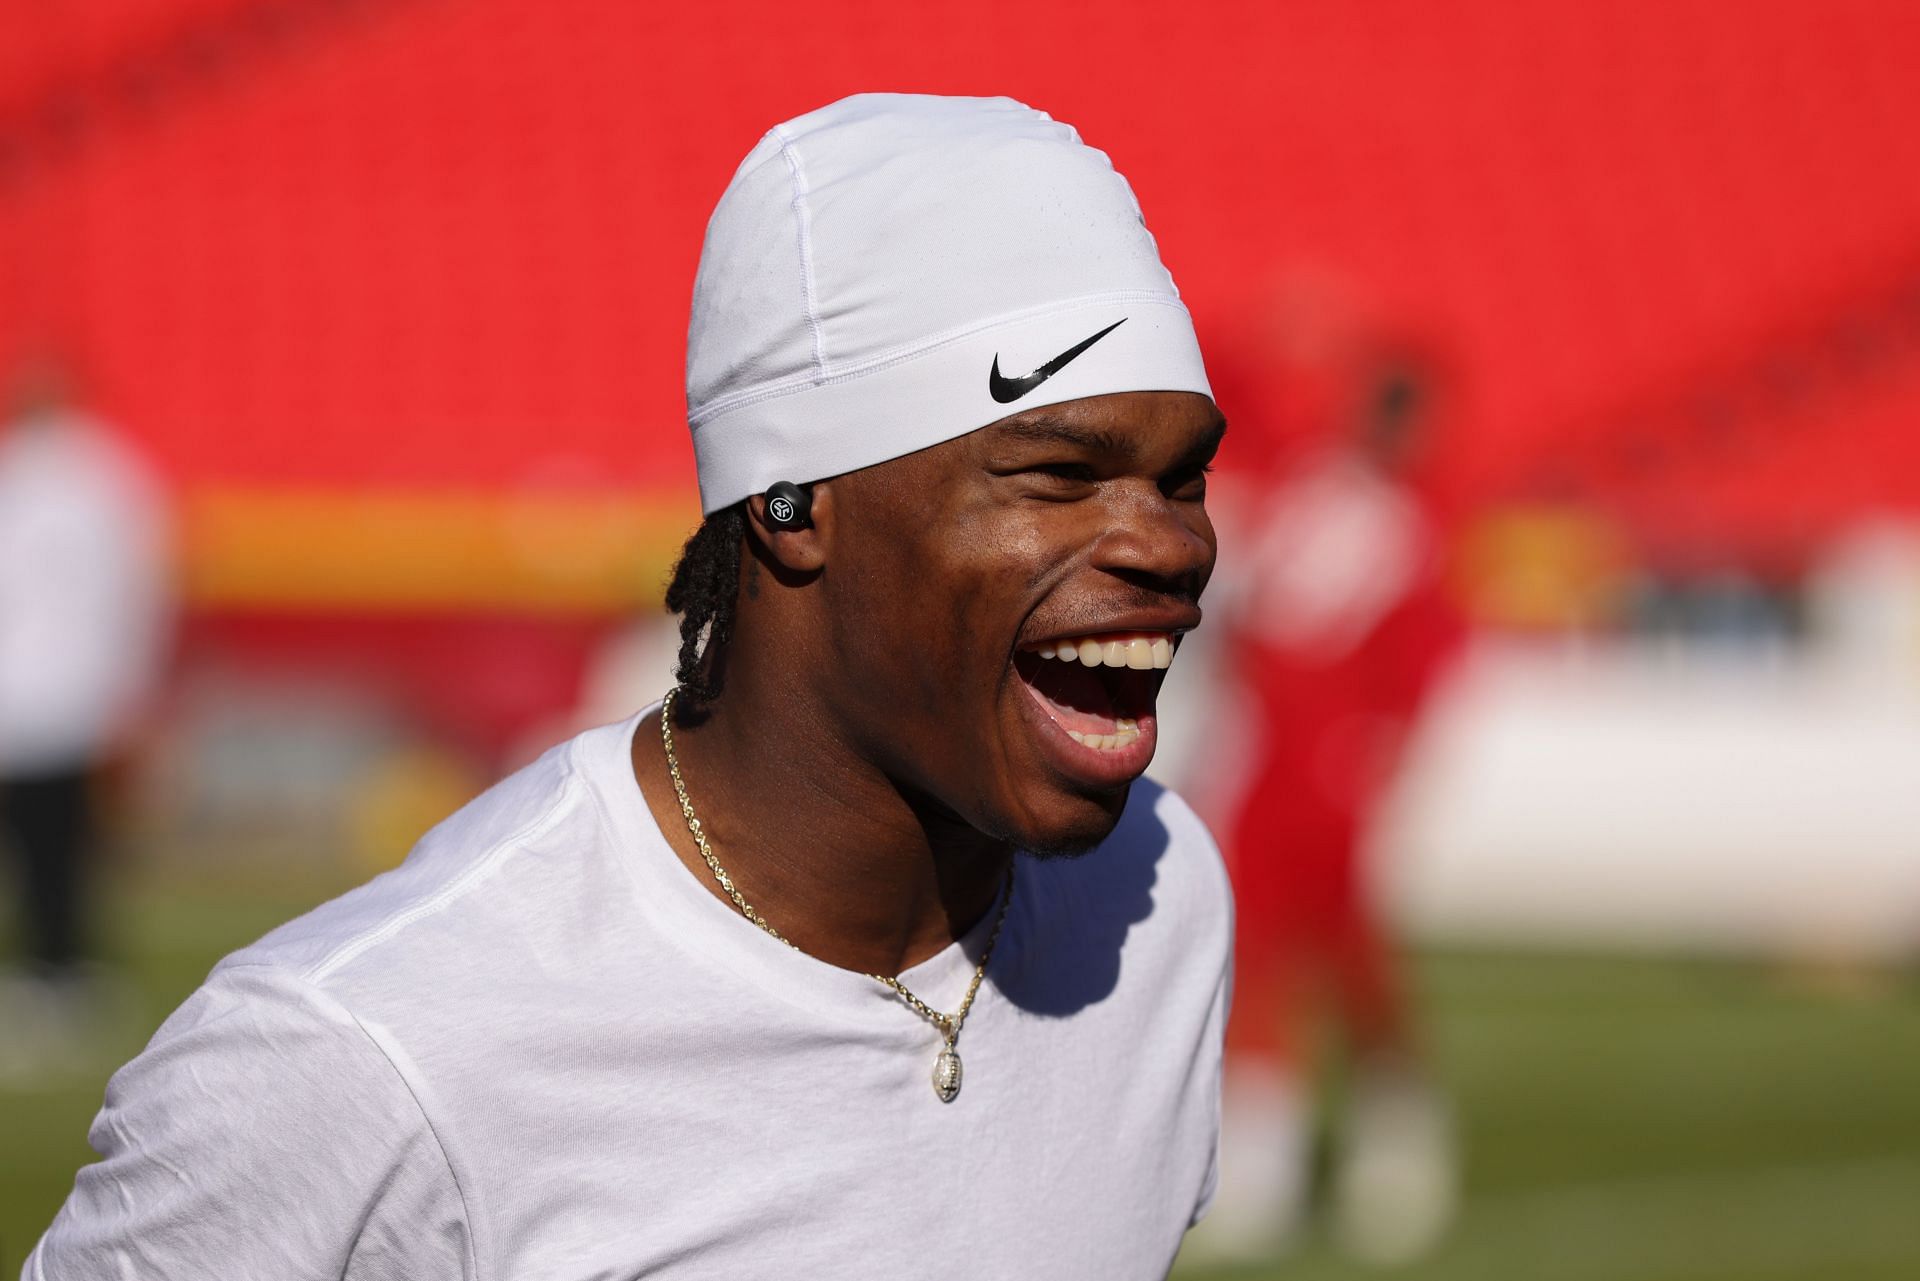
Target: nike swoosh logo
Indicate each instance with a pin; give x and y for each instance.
(1007, 390)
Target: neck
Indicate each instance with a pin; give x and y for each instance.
(820, 842)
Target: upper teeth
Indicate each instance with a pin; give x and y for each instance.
(1137, 652)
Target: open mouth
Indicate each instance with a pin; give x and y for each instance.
(1099, 690)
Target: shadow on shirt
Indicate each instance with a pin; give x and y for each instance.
(1071, 915)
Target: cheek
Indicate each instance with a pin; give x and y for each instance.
(906, 620)
(996, 568)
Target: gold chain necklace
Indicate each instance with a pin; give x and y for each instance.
(946, 1068)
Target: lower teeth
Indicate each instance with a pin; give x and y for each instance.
(1126, 733)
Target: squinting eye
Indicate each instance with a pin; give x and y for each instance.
(1188, 484)
(1059, 481)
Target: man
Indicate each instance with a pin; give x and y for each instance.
(758, 983)
(83, 631)
(1342, 631)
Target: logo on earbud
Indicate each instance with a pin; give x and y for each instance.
(788, 506)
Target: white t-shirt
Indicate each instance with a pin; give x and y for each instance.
(542, 1049)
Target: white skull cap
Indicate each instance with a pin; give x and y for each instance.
(896, 270)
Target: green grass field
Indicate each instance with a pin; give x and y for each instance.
(1623, 1120)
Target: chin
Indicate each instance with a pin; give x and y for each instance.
(1071, 828)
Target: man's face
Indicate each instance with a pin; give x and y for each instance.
(968, 583)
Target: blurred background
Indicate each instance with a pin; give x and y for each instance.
(1559, 714)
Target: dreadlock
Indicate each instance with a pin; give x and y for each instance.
(705, 585)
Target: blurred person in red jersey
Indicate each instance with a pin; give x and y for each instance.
(84, 605)
(1340, 628)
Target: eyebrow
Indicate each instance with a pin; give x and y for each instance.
(1046, 429)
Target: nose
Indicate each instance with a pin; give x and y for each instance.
(1152, 537)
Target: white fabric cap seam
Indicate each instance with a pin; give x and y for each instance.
(803, 230)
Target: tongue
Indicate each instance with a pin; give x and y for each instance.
(1078, 698)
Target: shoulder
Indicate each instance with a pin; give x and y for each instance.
(501, 847)
(258, 1039)
(262, 1132)
(290, 1084)
(505, 916)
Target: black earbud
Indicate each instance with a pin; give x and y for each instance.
(788, 505)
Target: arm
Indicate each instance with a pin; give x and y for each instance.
(262, 1133)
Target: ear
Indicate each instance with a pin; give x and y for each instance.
(801, 550)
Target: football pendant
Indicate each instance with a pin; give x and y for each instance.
(946, 1074)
